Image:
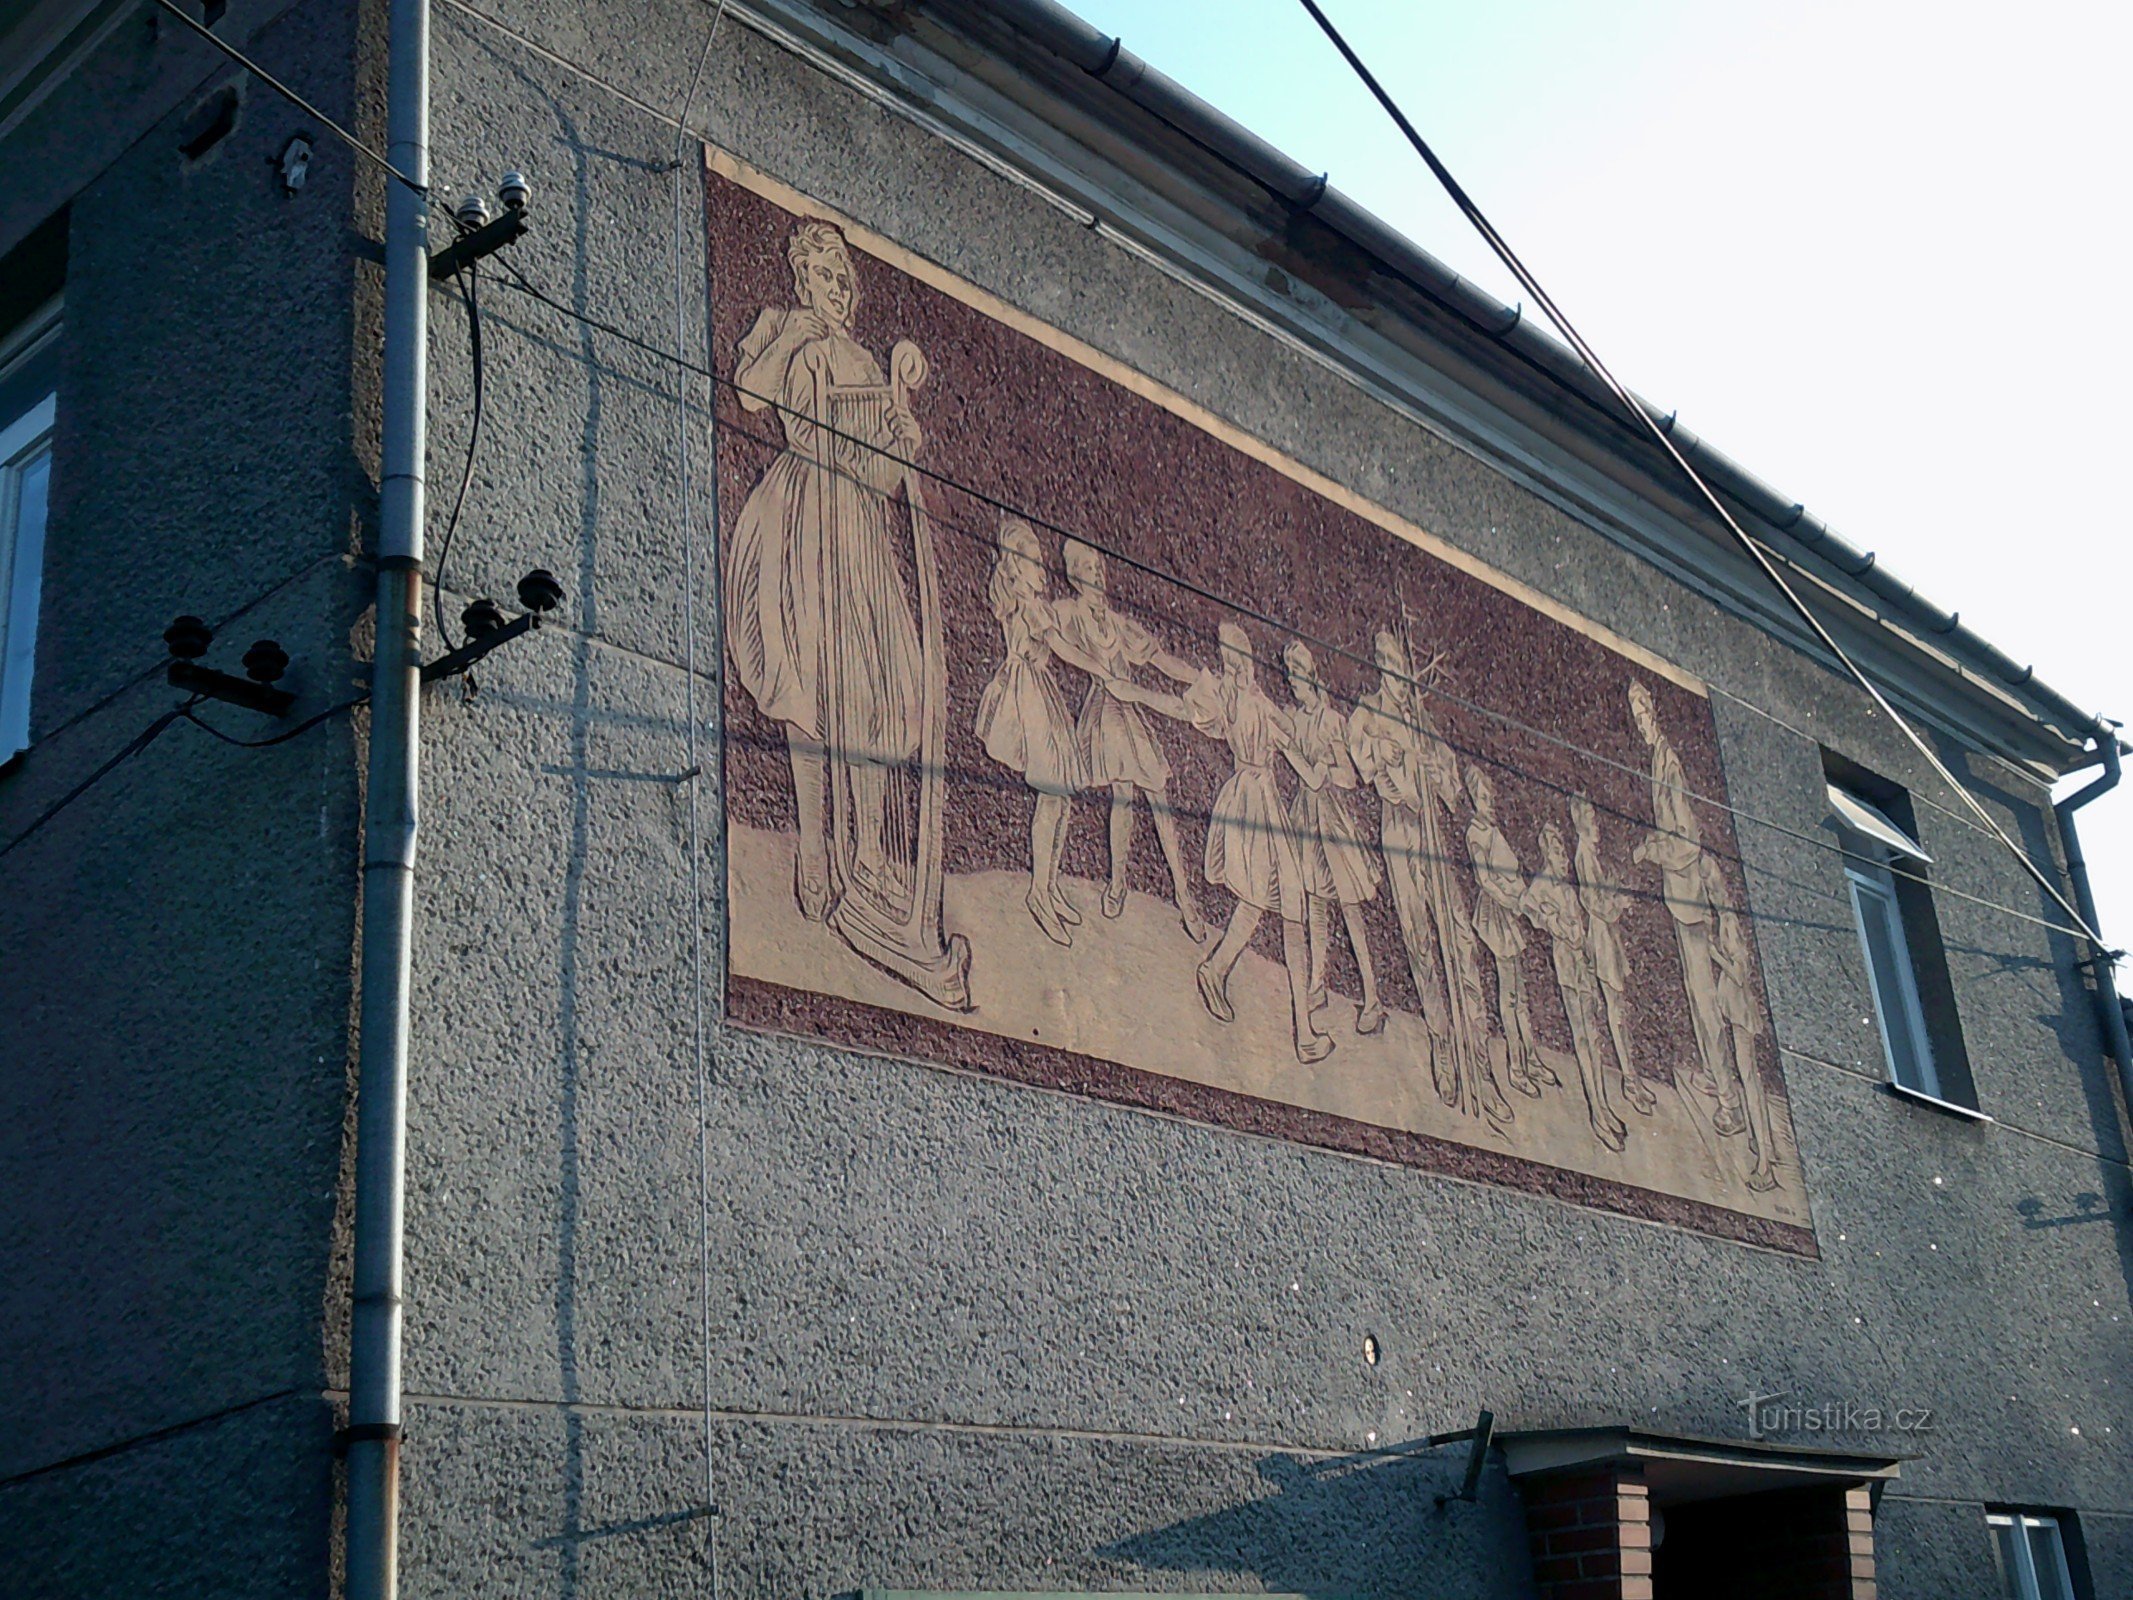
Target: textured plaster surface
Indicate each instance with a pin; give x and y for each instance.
(925, 1248)
(239, 1504)
(596, 1504)
(962, 1333)
(175, 954)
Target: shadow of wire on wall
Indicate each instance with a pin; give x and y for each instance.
(1349, 1526)
(2080, 1033)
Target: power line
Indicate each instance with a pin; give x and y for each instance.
(284, 736)
(1651, 425)
(133, 747)
(148, 735)
(523, 285)
(469, 278)
(694, 758)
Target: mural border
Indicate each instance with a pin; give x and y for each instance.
(937, 277)
(765, 1006)
(820, 1019)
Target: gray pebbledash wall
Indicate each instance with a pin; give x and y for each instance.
(174, 947)
(954, 1333)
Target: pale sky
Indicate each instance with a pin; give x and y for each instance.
(1867, 247)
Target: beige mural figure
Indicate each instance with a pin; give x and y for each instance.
(1551, 904)
(1675, 847)
(1023, 720)
(1250, 850)
(1118, 747)
(1337, 866)
(1397, 751)
(1499, 891)
(822, 633)
(1736, 999)
(1604, 903)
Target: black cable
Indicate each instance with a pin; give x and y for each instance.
(1652, 425)
(140, 741)
(284, 736)
(469, 279)
(154, 730)
(1421, 685)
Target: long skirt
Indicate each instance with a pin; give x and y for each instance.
(811, 574)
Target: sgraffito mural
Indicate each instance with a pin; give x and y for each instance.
(1076, 737)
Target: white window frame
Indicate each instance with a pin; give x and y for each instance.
(25, 438)
(1871, 843)
(2023, 1574)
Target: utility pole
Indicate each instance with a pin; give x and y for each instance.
(389, 830)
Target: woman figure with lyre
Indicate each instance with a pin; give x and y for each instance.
(815, 605)
(823, 630)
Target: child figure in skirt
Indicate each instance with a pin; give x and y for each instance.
(1338, 868)
(1023, 720)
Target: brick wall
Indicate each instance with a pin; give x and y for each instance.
(1591, 1535)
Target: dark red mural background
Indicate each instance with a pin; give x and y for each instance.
(1214, 534)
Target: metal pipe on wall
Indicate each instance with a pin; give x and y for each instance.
(2112, 1014)
(389, 832)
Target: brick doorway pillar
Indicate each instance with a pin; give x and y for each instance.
(1592, 1534)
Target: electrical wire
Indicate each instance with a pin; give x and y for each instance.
(1652, 425)
(290, 95)
(148, 735)
(284, 736)
(133, 747)
(1421, 686)
(694, 772)
(469, 280)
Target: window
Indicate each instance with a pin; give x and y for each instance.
(28, 363)
(2032, 1552)
(1899, 933)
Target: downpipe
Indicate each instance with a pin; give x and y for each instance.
(2077, 869)
(390, 827)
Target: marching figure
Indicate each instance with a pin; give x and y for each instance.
(1337, 868)
(1397, 751)
(1736, 999)
(1675, 847)
(1500, 887)
(1023, 720)
(1118, 748)
(1551, 904)
(1604, 903)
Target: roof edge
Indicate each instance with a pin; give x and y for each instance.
(1787, 525)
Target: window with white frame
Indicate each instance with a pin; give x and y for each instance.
(2032, 1553)
(28, 394)
(1889, 876)
(1873, 845)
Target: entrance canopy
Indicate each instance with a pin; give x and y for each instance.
(1681, 1469)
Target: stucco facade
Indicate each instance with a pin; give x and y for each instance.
(910, 1324)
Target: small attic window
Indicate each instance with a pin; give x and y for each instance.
(1863, 817)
